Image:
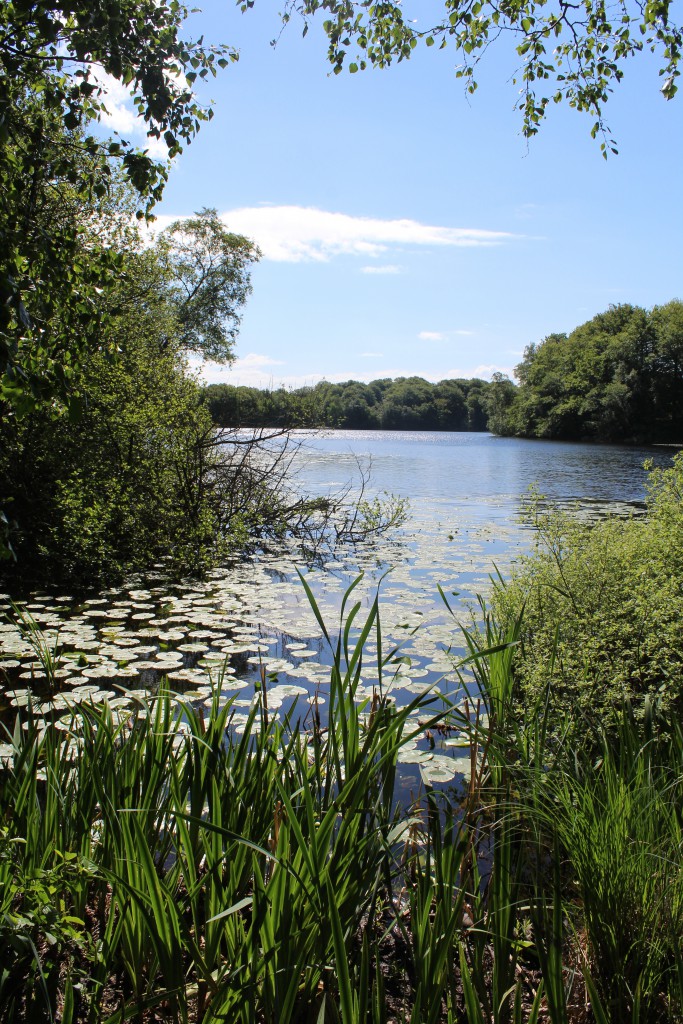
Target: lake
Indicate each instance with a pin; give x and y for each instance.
(467, 495)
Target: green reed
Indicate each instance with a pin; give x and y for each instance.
(161, 863)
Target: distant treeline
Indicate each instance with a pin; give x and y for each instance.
(616, 378)
(407, 403)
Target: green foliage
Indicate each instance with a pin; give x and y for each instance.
(132, 472)
(500, 396)
(618, 377)
(119, 486)
(407, 403)
(54, 268)
(588, 839)
(619, 825)
(159, 862)
(576, 55)
(205, 268)
(55, 173)
(603, 605)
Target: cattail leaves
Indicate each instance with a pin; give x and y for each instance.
(164, 861)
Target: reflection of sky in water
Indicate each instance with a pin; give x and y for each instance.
(466, 493)
(472, 467)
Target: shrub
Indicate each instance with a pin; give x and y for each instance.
(603, 605)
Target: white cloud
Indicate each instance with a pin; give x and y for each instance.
(253, 370)
(156, 148)
(258, 378)
(256, 359)
(443, 335)
(122, 117)
(388, 268)
(298, 234)
(372, 355)
(119, 115)
(431, 336)
(483, 370)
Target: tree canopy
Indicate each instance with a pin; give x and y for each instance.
(139, 473)
(406, 403)
(208, 282)
(618, 377)
(567, 51)
(56, 166)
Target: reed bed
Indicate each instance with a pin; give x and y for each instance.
(156, 866)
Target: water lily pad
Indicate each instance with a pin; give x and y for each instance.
(285, 690)
(234, 685)
(436, 773)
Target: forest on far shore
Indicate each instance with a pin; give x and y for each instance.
(616, 378)
(407, 403)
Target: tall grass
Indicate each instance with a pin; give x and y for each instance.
(162, 866)
(616, 823)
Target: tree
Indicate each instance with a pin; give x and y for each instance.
(119, 486)
(667, 322)
(616, 377)
(140, 474)
(208, 282)
(499, 397)
(568, 51)
(358, 406)
(54, 57)
(475, 402)
(54, 269)
(450, 405)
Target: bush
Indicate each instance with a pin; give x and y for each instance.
(120, 486)
(603, 606)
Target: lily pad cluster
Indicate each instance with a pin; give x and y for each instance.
(249, 630)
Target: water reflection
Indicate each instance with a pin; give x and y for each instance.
(250, 621)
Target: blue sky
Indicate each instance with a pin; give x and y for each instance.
(410, 229)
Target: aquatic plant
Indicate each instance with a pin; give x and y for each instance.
(157, 859)
(603, 604)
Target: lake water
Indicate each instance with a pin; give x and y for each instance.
(467, 495)
(470, 468)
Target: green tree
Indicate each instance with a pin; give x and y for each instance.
(476, 404)
(330, 404)
(54, 268)
(449, 399)
(52, 274)
(207, 282)
(615, 378)
(667, 370)
(141, 475)
(409, 405)
(540, 409)
(500, 395)
(574, 52)
(358, 402)
(124, 483)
